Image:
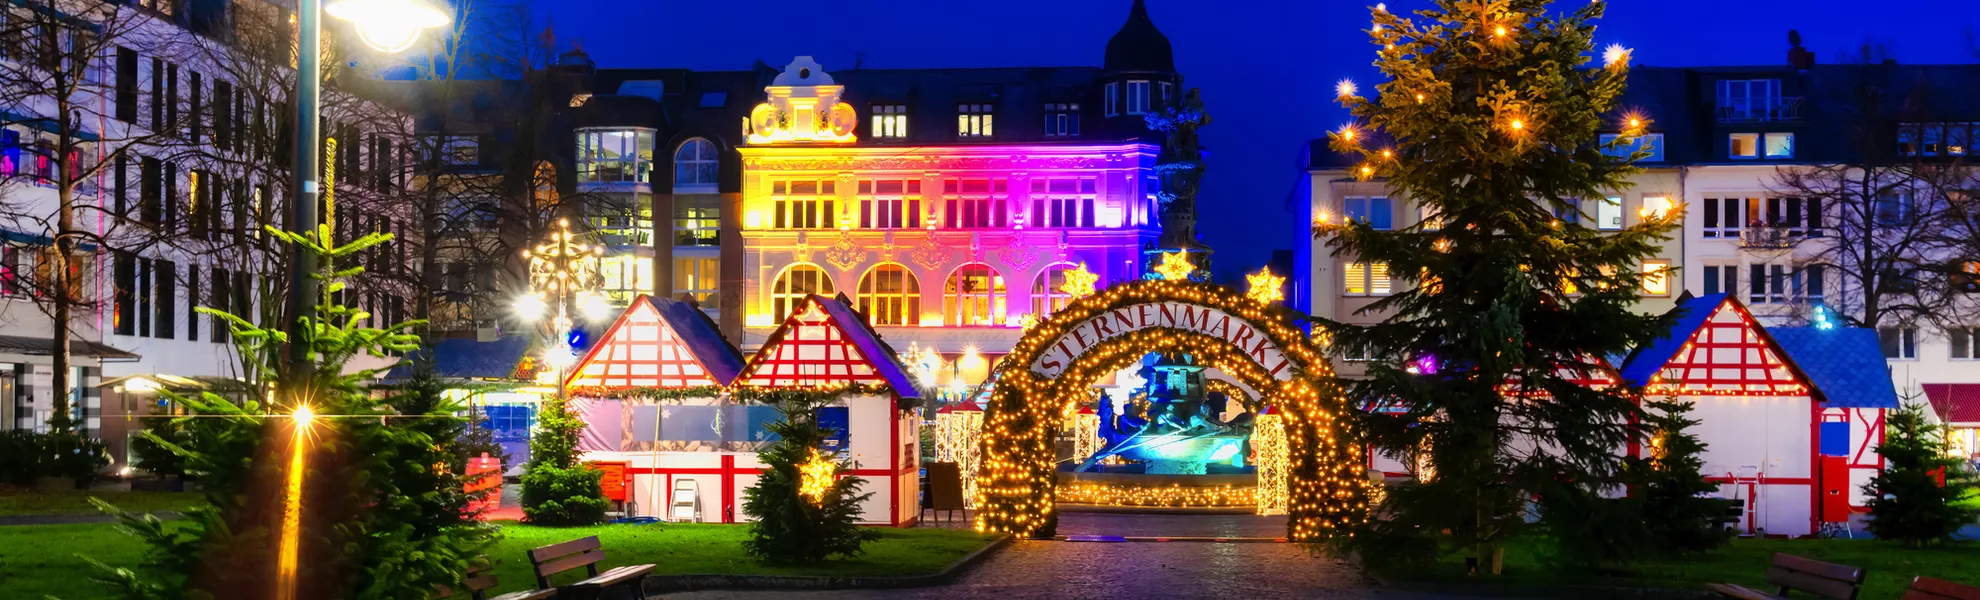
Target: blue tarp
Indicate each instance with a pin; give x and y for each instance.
(465, 358)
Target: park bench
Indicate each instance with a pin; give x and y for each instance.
(587, 553)
(1926, 588)
(481, 578)
(1808, 576)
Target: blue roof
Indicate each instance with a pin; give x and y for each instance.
(1845, 364)
(465, 358)
(701, 337)
(885, 360)
(1646, 361)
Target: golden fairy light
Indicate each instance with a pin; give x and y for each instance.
(1615, 56)
(1387, 154)
(1264, 287)
(1518, 125)
(1175, 266)
(1367, 171)
(1344, 89)
(1499, 31)
(815, 476)
(1419, 97)
(1079, 282)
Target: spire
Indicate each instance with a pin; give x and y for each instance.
(1139, 46)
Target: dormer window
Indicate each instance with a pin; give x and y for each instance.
(889, 121)
(1113, 99)
(1062, 120)
(973, 120)
(1137, 97)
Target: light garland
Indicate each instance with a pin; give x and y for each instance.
(1016, 483)
(816, 476)
(1268, 440)
(1170, 496)
(1085, 428)
(956, 441)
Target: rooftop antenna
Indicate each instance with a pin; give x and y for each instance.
(859, 58)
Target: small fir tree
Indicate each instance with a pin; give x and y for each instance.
(793, 526)
(556, 490)
(1916, 498)
(1490, 121)
(1681, 516)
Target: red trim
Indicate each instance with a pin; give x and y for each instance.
(1815, 464)
(671, 337)
(893, 454)
(728, 495)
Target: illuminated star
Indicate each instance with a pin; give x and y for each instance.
(1079, 282)
(1175, 266)
(1265, 287)
(816, 477)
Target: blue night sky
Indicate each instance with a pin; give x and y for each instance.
(1266, 67)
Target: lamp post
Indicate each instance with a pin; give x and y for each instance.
(565, 270)
(386, 25)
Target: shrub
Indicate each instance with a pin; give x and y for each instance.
(559, 496)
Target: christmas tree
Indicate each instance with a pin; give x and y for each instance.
(556, 490)
(805, 512)
(1678, 509)
(1916, 498)
(1490, 121)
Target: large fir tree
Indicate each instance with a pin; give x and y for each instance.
(1916, 499)
(1490, 119)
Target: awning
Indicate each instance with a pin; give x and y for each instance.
(1955, 402)
(40, 346)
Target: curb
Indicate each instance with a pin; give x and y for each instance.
(663, 584)
(1526, 591)
(1132, 538)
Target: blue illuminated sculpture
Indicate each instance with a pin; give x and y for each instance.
(1171, 425)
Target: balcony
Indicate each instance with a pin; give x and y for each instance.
(1759, 110)
(1766, 237)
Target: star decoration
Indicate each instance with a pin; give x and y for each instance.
(816, 477)
(1264, 286)
(1175, 266)
(1079, 282)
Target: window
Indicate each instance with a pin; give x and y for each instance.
(1428, 216)
(1366, 279)
(1062, 120)
(1609, 213)
(1749, 100)
(889, 295)
(974, 295)
(890, 204)
(805, 204)
(1967, 279)
(975, 203)
(165, 280)
(1355, 353)
(1907, 139)
(1932, 135)
(615, 156)
(1047, 297)
(714, 99)
(1373, 211)
(1652, 143)
(1959, 136)
(1743, 145)
(1656, 278)
(1965, 342)
(1168, 97)
(1900, 343)
(1721, 279)
(889, 121)
(454, 150)
(621, 219)
(973, 120)
(697, 221)
(1780, 145)
(1894, 209)
(793, 286)
(626, 276)
(699, 278)
(1062, 202)
(1817, 283)
(1137, 97)
(1113, 99)
(696, 165)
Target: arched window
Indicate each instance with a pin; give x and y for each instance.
(796, 283)
(974, 296)
(1046, 295)
(889, 295)
(696, 165)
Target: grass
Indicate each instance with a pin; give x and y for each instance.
(1889, 566)
(43, 559)
(24, 502)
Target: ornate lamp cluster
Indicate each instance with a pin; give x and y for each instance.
(566, 271)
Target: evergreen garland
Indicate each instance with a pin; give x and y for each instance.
(792, 527)
(1916, 498)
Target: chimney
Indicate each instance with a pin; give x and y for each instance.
(1799, 58)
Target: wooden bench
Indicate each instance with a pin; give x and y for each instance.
(586, 552)
(481, 578)
(1926, 588)
(1794, 573)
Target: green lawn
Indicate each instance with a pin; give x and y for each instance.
(1889, 566)
(16, 501)
(42, 559)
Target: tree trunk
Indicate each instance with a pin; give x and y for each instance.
(58, 284)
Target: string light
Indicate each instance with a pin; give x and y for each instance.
(1500, 31)
(1347, 132)
(1615, 56)
(1170, 496)
(1387, 154)
(1518, 125)
(1419, 97)
(1268, 440)
(1345, 89)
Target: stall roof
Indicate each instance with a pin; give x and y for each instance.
(1646, 361)
(885, 360)
(701, 336)
(1955, 402)
(467, 358)
(1845, 364)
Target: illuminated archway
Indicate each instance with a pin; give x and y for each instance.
(1058, 361)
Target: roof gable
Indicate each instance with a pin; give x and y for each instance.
(825, 343)
(647, 347)
(1844, 363)
(1955, 402)
(1716, 348)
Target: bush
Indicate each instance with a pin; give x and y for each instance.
(26, 456)
(558, 496)
(154, 453)
(20, 457)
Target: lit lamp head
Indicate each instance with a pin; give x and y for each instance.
(388, 25)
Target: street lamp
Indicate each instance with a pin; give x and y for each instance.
(563, 272)
(386, 25)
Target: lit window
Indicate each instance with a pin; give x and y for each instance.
(1907, 139)
(1933, 135)
(1137, 97)
(1652, 143)
(974, 295)
(1609, 214)
(973, 120)
(1656, 278)
(1958, 136)
(1780, 145)
(1373, 211)
(975, 203)
(698, 277)
(803, 204)
(1366, 279)
(1061, 120)
(1899, 343)
(626, 276)
(890, 204)
(889, 121)
(1063, 202)
(621, 219)
(697, 221)
(1744, 145)
(1047, 297)
(615, 156)
(696, 166)
(1428, 216)
(578, 100)
(889, 295)
(793, 286)
(1113, 99)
